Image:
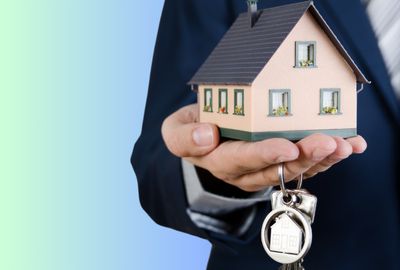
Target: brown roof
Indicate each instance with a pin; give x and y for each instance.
(244, 51)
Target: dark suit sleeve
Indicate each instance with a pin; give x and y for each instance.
(188, 32)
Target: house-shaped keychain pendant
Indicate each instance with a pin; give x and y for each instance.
(286, 235)
(279, 72)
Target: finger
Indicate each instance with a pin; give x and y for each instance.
(343, 150)
(185, 137)
(358, 143)
(234, 158)
(313, 149)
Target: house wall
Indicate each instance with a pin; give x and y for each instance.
(305, 83)
(229, 120)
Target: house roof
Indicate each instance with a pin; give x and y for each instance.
(285, 218)
(244, 51)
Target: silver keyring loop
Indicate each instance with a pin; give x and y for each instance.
(286, 258)
(281, 174)
(300, 181)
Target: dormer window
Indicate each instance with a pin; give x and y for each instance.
(305, 54)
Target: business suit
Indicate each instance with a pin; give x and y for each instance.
(358, 218)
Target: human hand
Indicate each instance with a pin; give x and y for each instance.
(252, 166)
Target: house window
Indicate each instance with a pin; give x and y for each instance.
(223, 101)
(276, 240)
(330, 101)
(207, 100)
(293, 241)
(239, 102)
(305, 53)
(279, 102)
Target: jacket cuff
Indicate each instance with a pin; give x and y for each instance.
(203, 200)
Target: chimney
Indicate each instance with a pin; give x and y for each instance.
(252, 9)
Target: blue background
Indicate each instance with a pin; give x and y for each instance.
(73, 85)
(153, 247)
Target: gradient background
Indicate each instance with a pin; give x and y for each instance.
(73, 83)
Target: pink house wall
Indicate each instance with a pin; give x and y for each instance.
(305, 83)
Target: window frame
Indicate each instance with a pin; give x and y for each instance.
(289, 101)
(297, 43)
(226, 100)
(205, 100)
(321, 96)
(235, 91)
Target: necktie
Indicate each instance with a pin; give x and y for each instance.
(385, 19)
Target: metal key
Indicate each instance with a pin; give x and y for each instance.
(300, 199)
(286, 232)
(293, 266)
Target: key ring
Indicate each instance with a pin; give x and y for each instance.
(300, 220)
(281, 175)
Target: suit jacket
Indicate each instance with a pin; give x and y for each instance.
(358, 217)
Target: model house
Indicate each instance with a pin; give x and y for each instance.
(279, 72)
(286, 235)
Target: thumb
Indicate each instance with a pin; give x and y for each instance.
(185, 137)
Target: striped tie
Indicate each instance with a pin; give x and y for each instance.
(385, 19)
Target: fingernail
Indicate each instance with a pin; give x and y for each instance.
(203, 135)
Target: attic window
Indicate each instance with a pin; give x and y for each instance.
(305, 54)
(330, 101)
(207, 100)
(279, 102)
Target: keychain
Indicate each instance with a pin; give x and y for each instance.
(286, 232)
